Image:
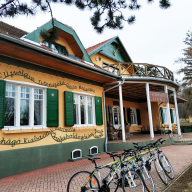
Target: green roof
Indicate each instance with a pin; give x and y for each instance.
(35, 35)
(107, 48)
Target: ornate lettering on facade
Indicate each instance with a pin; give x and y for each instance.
(96, 134)
(86, 89)
(40, 82)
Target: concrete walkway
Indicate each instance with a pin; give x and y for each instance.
(55, 178)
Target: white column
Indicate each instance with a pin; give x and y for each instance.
(168, 110)
(177, 114)
(149, 111)
(122, 116)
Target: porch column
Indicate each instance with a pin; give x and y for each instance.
(121, 109)
(168, 110)
(149, 111)
(177, 114)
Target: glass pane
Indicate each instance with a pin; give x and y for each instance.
(83, 110)
(35, 96)
(83, 119)
(40, 91)
(24, 112)
(27, 89)
(76, 115)
(27, 95)
(35, 90)
(40, 96)
(75, 99)
(9, 111)
(90, 115)
(13, 87)
(22, 89)
(38, 112)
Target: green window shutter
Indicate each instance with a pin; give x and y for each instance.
(69, 108)
(162, 117)
(110, 115)
(98, 111)
(124, 115)
(129, 115)
(52, 108)
(172, 118)
(2, 103)
(138, 116)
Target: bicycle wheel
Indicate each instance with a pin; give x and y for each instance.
(132, 181)
(147, 179)
(160, 172)
(106, 173)
(83, 182)
(166, 165)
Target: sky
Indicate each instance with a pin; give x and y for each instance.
(155, 38)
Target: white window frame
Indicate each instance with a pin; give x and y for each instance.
(79, 112)
(165, 114)
(174, 115)
(91, 149)
(132, 109)
(118, 116)
(31, 120)
(73, 153)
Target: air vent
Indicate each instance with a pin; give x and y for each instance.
(93, 150)
(77, 153)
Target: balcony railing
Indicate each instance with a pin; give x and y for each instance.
(140, 70)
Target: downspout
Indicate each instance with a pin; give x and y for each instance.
(106, 139)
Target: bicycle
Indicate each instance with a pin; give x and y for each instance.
(84, 181)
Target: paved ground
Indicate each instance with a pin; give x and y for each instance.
(55, 178)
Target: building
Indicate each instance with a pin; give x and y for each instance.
(52, 97)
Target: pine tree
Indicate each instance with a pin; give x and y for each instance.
(106, 13)
(187, 60)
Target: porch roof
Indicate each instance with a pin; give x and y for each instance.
(135, 91)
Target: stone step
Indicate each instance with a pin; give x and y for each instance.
(183, 142)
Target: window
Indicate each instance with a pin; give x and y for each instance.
(84, 110)
(174, 115)
(93, 150)
(165, 115)
(24, 106)
(77, 153)
(56, 48)
(133, 116)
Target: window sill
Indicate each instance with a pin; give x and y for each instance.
(6, 131)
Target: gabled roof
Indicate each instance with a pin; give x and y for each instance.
(105, 46)
(67, 30)
(11, 30)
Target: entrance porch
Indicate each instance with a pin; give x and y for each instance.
(119, 145)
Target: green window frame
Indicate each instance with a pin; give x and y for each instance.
(2, 103)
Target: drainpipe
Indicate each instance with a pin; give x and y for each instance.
(105, 111)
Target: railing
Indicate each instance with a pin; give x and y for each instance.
(140, 70)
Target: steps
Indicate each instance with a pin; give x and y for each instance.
(183, 142)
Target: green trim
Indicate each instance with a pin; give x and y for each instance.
(28, 159)
(118, 41)
(98, 110)
(35, 35)
(172, 118)
(18, 63)
(2, 103)
(69, 108)
(52, 107)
